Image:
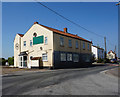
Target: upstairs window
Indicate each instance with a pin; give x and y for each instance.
(83, 45)
(61, 41)
(88, 46)
(46, 40)
(70, 43)
(30, 42)
(24, 43)
(76, 44)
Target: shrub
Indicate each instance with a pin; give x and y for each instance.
(99, 60)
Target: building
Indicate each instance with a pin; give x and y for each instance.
(111, 55)
(42, 46)
(98, 52)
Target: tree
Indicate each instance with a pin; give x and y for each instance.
(11, 60)
(2, 61)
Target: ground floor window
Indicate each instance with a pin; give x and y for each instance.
(69, 57)
(75, 57)
(44, 57)
(63, 57)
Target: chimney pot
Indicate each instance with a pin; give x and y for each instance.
(65, 30)
(35, 22)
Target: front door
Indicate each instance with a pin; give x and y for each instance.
(23, 62)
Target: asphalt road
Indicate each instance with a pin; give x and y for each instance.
(79, 81)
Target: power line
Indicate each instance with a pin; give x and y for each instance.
(72, 21)
(69, 20)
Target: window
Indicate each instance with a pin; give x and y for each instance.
(69, 57)
(63, 57)
(76, 44)
(30, 42)
(70, 43)
(24, 43)
(88, 46)
(44, 57)
(61, 41)
(46, 40)
(83, 45)
(75, 57)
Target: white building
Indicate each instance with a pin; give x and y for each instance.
(111, 55)
(98, 52)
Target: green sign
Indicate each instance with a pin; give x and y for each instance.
(38, 40)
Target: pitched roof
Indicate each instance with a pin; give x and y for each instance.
(21, 35)
(65, 33)
(111, 51)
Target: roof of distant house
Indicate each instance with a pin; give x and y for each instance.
(98, 47)
(111, 51)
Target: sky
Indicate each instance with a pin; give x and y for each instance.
(101, 18)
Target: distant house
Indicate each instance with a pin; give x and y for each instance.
(98, 52)
(111, 55)
(43, 46)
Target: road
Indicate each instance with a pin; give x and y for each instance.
(79, 81)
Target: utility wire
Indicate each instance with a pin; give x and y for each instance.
(69, 20)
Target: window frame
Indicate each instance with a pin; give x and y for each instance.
(69, 57)
(74, 55)
(61, 55)
(88, 46)
(83, 45)
(24, 43)
(31, 43)
(76, 44)
(44, 55)
(46, 39)
(61, 41)
(70, 43)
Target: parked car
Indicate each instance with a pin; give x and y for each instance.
(113, 61)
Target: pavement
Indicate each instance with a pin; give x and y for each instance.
(78, 81)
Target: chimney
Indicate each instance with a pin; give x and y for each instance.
(35, 22)
(65, 30)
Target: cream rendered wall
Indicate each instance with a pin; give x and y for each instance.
(17, 52)
(57, 47)
(34, 50)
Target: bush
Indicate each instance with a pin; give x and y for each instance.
(11, 60)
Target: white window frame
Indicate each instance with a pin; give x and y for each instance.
(61, 41)
(24, 43)
(74, 57)
(31, 43)
(62, 56)
(44, 55)
(76, 44)
(69, 57)
(46, 40)
(70, 42)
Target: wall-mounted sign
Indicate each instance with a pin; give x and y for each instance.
(38, 40)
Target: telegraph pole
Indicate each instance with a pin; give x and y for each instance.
(118, 29)
(105, 47)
